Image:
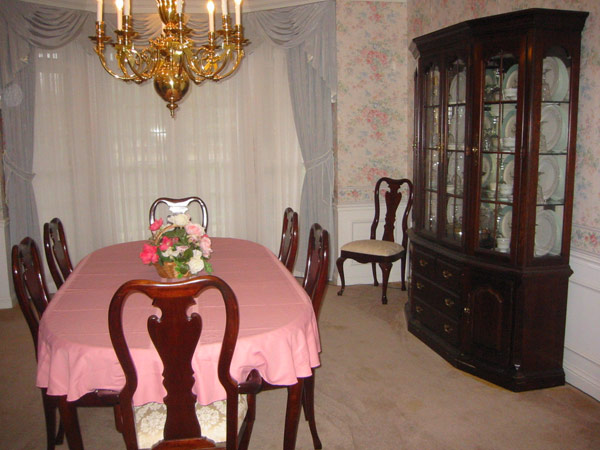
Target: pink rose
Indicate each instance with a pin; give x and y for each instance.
(165, 244)
(205, 246)
(156, 225)
(194, 231)
(148, 254)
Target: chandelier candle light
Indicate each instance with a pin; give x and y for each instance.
(172, 59)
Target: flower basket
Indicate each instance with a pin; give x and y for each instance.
(168, 270)
(179, 249)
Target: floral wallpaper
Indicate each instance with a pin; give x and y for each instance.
(372, 97)
(375, 95)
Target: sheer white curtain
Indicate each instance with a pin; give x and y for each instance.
(104, 150)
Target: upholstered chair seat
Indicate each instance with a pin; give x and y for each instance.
(150, 421)
(373, 247)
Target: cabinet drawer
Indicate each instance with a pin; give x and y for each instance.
(427, 292)
(441, 325)
(449, 275)
(423, 263)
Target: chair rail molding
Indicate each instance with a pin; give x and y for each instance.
(354, 223)
(581, 360)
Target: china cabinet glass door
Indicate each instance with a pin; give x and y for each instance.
(432, 147)
(456, 89)
(498, 143)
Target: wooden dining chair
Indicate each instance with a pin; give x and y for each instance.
(314, 283)
(175, 336)
(289, 239)
(181, 206)
(57, 254)
(382, 251)
(33, 297)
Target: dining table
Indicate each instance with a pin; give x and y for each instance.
(278, 333)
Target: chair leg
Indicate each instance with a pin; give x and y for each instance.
(385, 269)
(248, 423)
(52, 436)
(308, 404)
(374, 269)
(403, 262)
(68, 415)
(340, 267)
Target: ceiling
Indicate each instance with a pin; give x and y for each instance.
(192, 6)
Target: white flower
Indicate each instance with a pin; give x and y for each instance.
(179, 220)
(196, 263)
(175, 253)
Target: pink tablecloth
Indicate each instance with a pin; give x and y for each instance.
(278, 331)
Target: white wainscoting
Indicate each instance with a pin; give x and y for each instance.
(582, 337)
(6, 287)
(354, 223)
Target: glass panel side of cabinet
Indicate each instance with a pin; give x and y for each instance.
(553, 151)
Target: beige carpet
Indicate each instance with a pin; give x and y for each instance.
(378, 388)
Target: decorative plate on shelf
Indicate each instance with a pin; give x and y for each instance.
(553, 128)
(555, 79)
(548, 175)
(511, 78)
(487, 166)
(509, 124)
(505, 219)
(458, 88)
(545, 232)
(508, 175)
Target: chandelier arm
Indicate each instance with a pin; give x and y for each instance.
(144, 64)
(192, 57)
(124, 77)
(240, 56)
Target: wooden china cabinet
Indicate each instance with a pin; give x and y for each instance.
(496, 124)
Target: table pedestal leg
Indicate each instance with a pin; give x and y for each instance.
(292, 414)
(68, 414)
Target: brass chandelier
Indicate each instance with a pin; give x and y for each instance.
(173, 59)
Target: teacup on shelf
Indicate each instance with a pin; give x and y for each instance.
(502, 244)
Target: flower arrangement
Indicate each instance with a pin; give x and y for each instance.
(181, 246)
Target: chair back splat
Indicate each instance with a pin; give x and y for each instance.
(57, 255)
(175, 336)
(181, 206)
(289, 239)
(384, 251)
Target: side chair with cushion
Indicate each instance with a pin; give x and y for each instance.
(181, 422)
(57, 254)
(289, 239)
(33, 297)
(181, 206)
(314, 283)
(382, 251)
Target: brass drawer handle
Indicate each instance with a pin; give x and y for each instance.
(422, 262)
(449, 302)
(420, 285)
(446, 274)
(448, 328)
(467, 310)
(418, 309)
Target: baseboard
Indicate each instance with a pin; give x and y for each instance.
(582, 373)
(354, 223)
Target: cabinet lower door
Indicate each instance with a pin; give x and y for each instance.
(489, 319)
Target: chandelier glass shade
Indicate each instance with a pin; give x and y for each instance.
(173, 59)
